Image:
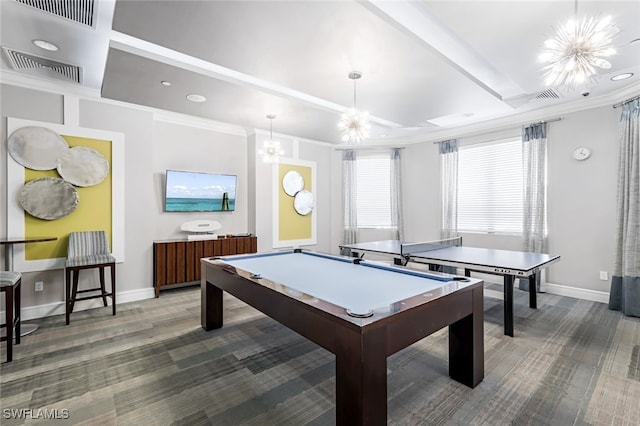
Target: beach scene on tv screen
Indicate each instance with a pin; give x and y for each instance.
(199, 192)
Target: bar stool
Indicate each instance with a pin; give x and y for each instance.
(88, 249)
(10, 285)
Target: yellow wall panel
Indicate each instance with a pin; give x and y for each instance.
(293, 226)
(93, 212)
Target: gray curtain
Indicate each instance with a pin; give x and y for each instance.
(625, 282)
(449, 188)
(349, 191)
(534, 162)
(396, 195)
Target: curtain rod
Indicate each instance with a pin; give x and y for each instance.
(551, 120)
(546, 121)
(368, 148)
(624, 102)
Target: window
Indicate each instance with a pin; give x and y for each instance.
(373, 199)
(490, 187)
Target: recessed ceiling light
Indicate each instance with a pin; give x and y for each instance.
(622, 76)
(196, 98)
(383, 135)
(165, 83)
(43, 44)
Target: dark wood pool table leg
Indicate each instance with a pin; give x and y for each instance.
(210, 305)
(466, 344)
(361, 377)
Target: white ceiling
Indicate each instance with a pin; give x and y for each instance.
(428, 66)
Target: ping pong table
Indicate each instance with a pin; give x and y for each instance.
(507, 263)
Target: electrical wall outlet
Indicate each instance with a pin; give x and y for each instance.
(604, 275)
(39, 285)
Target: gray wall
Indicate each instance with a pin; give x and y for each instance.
(135, 272)
(295, 149)
(29, 105)
(179, 147)
(581, 197)
(153, 145)
(581, 194)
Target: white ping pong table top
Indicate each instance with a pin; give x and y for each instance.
(517, 263)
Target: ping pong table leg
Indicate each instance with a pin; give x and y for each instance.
(533, 289)
(508, 305)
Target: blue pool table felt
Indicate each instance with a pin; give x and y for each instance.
(357, 288)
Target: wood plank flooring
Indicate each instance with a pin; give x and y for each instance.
(571, 362)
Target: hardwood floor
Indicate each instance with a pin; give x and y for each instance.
(570, 362)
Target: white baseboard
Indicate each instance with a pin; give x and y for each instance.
(563, 290)
(557, 289)
(57, 308)
(578, 293)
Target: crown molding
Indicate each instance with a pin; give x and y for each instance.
(46, 85)
(197, 122)
(262, 132)
(155, 52)
(65, 89)
(496, 124)
(516, 120)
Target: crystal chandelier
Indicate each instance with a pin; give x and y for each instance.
(354, 124)
(271, 150)
(577, 49)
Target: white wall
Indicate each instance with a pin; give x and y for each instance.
(581, 194)
(154, 144)
(29, 105)
(179, 147)
(151, 146)
(421, 192)
(134, 275)
(581, 198)
(263, 202)
(296, 149)
(420, 182)
(321, 154)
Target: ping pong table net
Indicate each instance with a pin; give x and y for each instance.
(407, 249)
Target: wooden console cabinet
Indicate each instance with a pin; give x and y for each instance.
(178, 261)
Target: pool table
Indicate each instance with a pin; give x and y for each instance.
(361, 311)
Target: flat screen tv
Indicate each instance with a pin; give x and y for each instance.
(199, 192)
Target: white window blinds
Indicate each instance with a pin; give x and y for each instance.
(490, 187)
(374, 190)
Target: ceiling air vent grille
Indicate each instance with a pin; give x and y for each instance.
(81, 11)
(25, 62)
(548, 94)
